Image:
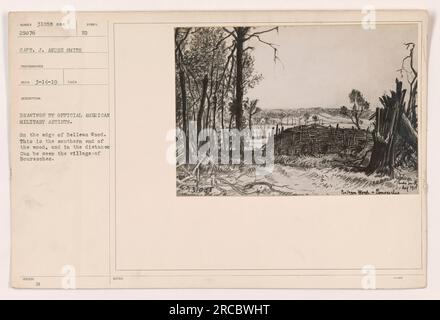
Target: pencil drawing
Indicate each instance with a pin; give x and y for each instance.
(296, 110)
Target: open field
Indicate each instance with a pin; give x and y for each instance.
(303, 175)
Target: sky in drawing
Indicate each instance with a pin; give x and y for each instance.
(321, 64)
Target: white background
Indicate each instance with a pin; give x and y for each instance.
(433, 289)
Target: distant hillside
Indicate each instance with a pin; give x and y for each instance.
(325, 116)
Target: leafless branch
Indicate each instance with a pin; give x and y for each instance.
(229, 32)
(261, 32)
(413, 72)
(221, 41)
(272, 45)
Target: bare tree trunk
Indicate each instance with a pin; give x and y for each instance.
(412, 106)
(230, 122)
(184, 113)
(208, 111)
(240, 32)
(250, 120)
(411, 111)
(223, 115)
(356, 117)
(214, 112)
(224, 91)
(202, 104)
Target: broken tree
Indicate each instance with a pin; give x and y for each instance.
(391, 124)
